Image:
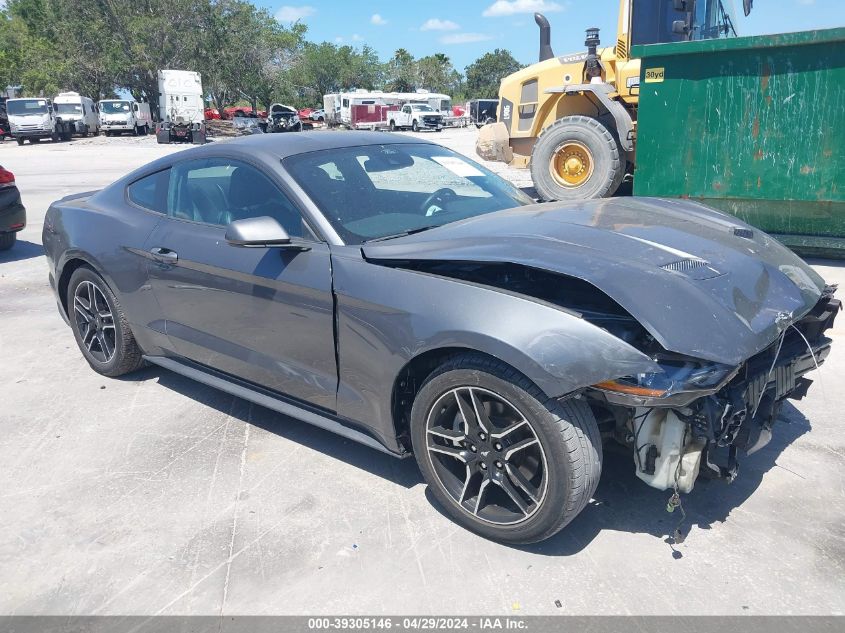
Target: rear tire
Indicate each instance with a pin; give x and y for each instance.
(100, 326)
(20, 140)
(553, 471)
(597, 163)
(7, 240)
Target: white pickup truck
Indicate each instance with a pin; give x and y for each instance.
(416, 116)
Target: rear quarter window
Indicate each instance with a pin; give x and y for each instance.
(150, 192)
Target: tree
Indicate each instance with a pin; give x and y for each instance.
(484, 75)
(327, 68)
(401, 72)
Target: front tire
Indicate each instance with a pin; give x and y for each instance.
(577, 158)
(100, 326)
(7, 240)
(415, 127)
(502, 459)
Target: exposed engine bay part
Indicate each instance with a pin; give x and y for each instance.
(283, 118)
(667, 455)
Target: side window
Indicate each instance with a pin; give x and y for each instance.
(150, 192)
(219, 191)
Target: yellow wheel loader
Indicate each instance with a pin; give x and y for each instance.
(573, 118)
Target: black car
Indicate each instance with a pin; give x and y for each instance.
(401, 295)
(12, 212)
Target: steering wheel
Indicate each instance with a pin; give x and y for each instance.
(441, 195)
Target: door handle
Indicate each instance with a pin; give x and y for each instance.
(164, 255)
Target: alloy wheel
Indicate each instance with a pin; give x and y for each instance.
(486, 455)
(95, 321)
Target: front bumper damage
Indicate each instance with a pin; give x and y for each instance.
(673, 443)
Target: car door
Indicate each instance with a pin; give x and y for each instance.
(261, 314)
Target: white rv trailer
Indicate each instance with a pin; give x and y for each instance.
(339, 106)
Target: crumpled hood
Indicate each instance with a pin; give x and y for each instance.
(701, 282)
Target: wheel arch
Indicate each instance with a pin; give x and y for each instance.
(413, 375)
(71, 264)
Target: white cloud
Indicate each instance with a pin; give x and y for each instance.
(465, 38)
(356, 37)
(292, 14)
(378, 20)
(338, 39)
(436, 24)
(512, 7)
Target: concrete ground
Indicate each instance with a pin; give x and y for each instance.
(155, 495)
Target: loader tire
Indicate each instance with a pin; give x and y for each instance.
(577, 158)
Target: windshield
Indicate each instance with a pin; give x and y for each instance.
(376, 191)
(26, 106)
(68, 108)
(651, 21)
(422, 108)
(114, 107)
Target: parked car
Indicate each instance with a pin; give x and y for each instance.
(304, 113)
(416, 117)
(318, 116)
(4, 121)
(212, 114)
(283, 119)
(407, 298)
(243, 111)
(12, 212)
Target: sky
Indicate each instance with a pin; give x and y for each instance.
(466, 29)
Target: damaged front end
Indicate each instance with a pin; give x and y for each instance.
(696, 417)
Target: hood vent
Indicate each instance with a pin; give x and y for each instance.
(748, 234)
(685, 265)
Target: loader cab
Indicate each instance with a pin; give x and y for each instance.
(663, 21)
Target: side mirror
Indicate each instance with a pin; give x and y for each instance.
(260, 232)
(680, 5)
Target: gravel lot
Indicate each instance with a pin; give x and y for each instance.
(155, 495)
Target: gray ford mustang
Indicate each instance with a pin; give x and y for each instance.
(403, 296)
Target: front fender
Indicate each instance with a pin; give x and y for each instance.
(388, 316)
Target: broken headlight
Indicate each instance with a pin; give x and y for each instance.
(678, 383)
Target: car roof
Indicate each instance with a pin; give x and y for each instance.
(272, 147)
(291, 144)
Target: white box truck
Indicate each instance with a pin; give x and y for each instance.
(78, 110)
(125, 115)
(181, 107)
(35, 119)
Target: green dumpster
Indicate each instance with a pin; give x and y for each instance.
(754, 126)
